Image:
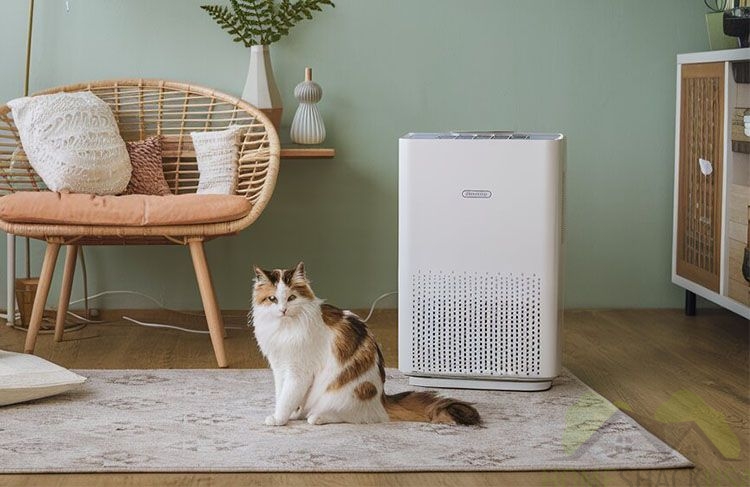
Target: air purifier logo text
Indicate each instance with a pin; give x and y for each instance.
(476, 193)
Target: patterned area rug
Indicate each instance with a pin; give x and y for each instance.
(212, 421)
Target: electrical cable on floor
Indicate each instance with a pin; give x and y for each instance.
(189, 330)
(50, 331)
(161, 325)
(50, 325)
(372, 308)
(69, 326)
(86, 320)
(162, 306)
(153, 300)
(79, 326)
(205, 332)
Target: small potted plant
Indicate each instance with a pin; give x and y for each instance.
(258, 24)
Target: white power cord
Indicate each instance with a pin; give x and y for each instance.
(151, 325)
(161, 305)
(153, 300)
(82, 318)
(86, 299)
(46, 329)
(161, 325)
(189, 330)
(372, 308)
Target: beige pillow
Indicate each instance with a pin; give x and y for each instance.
(72, 142)
(217, 154)
(25, 377)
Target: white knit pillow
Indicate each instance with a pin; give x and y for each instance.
(72, 142)
(217, 156)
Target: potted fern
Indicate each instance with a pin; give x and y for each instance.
(258, 24)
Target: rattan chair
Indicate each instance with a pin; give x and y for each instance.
(144, 108)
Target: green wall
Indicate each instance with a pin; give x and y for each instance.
(602, 72)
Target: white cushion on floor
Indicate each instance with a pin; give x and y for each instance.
(25, 377)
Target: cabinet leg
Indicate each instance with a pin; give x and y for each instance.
(689, 303)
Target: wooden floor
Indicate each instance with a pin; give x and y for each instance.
(638, 359)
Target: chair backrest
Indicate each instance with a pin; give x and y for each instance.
(172, 110)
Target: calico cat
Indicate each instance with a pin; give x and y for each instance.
(326, 364)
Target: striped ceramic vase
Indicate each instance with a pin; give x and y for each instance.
(307, 126)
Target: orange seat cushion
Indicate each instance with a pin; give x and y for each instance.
(136, 210)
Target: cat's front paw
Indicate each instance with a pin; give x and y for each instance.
(315, 419)
(272, 420)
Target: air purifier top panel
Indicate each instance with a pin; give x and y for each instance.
(483, 135)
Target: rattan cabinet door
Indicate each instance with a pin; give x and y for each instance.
(700, 186)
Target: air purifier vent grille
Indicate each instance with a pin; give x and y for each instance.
(476, 323)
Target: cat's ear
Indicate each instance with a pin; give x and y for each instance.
(260, 275)
(299, 272)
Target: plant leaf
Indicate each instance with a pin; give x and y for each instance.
(263, 22)
(228, 21)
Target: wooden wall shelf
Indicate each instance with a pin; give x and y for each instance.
(306, 152)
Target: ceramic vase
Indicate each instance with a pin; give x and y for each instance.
(260, 86)
(716, 37)
(307, 126)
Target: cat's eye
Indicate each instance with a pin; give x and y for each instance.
(292, 298)
(272, 299)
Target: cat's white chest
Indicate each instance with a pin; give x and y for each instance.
(289, 343)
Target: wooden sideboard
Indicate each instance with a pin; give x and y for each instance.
(712, 179)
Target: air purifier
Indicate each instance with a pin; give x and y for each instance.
(479, 279)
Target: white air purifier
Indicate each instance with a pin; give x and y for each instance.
(480, 237)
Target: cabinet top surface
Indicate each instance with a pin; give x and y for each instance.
(714, 56)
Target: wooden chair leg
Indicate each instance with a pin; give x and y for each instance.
(10, 254)
(67, 286)
(210, 306)
(45, 278)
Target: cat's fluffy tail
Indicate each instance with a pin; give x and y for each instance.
(428, 407)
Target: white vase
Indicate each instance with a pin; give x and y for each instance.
(307, 126)
(260, 86)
